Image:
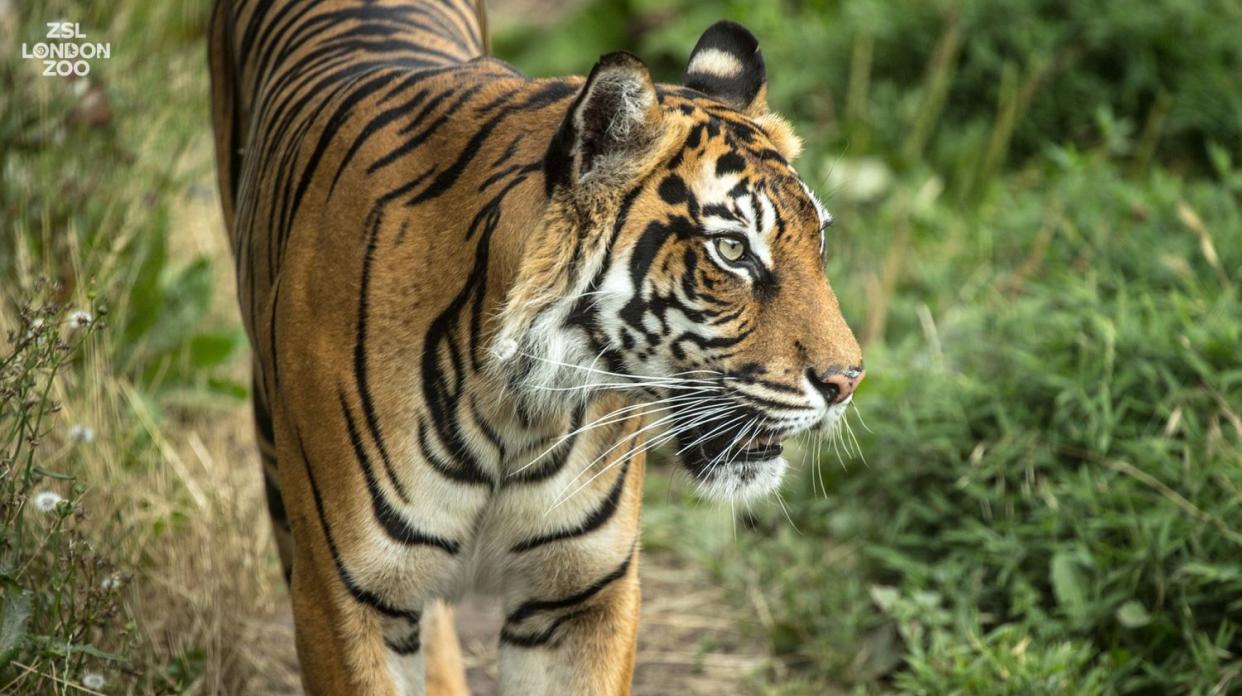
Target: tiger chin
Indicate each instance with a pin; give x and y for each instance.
(475, 300)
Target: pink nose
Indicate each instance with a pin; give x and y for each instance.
(836, 384)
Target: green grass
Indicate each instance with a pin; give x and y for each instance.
(1052, 493)
(1039, 243)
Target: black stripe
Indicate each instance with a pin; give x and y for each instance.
(360, 358)
(534, 640)
(767, 403)
(509, 171)
(407, 645)
(488, 431)
(359, 593)
(330, 129)
(412, 143)
(557, 459)
(470, 22)
(467, 474)
(262, 414)
(594, 521)
(371, 128)
(271, 335)
(396, 527)
(546, 95)
(509, 152)
(442, 391)
(776, 386)
(536, 606)
(275, 502)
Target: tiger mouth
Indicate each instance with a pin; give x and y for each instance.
(700, 453)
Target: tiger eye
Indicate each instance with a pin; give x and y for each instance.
(729, 248)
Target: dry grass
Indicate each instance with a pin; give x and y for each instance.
(174, 495)
(214, 591)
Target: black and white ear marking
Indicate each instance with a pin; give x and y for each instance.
(616, 115)
(726, 65)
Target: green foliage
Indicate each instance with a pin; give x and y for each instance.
(163, 344)
(1039, 238)
(946, 81)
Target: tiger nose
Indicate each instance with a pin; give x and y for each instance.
(836, 384)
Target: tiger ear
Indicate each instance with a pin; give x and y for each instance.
(727, 66)
(612, 122)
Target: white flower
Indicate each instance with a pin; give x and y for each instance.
(111, 582)
(46, 501)
(81, 434)
(80, 319)
(93, 680)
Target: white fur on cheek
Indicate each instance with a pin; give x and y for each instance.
(549, 363)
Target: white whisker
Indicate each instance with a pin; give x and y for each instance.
(733, 516)
(781, 501)
(819, 463)
(858, 412)
(724, 455)
(614, 417)
(712, 433)
(672, 416)
(701, 417)
(638, 449)
(631, 385)
(654, 378)
(849, 430)
(837, 443)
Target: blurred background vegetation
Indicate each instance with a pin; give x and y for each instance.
(1039, 242)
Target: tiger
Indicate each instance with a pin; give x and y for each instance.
(475, 300)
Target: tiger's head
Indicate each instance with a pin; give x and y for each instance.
(681, 260)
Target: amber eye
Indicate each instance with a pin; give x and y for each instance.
(730, 249)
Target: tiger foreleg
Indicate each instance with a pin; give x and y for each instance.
(341, 643)
(580, 644)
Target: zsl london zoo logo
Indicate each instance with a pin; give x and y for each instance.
(64, 54)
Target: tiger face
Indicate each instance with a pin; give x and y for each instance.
(689, 268)
(718, 289)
